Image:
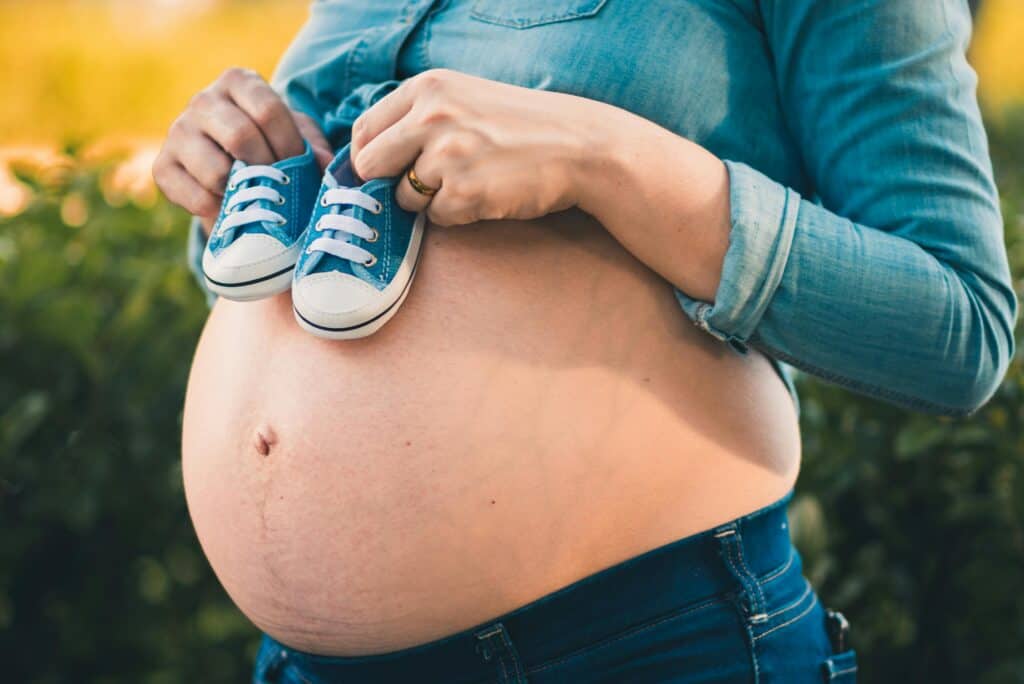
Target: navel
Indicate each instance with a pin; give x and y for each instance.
(264, 440)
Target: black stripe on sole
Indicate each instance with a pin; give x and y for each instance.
(249, 282)
(364, 323)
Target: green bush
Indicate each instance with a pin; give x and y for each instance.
(101, 577)
(911, 525)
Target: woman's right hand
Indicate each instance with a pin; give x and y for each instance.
(239, 116)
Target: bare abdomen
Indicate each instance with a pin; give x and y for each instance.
(539, 409)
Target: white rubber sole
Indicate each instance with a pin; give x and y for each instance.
(372, 319)
(260, 289)
(359, 331)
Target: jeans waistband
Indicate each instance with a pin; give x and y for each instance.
(712, 564)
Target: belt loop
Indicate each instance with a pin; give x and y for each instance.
(730, 547)
(494, 644)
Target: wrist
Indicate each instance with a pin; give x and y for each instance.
(611, 164)
(600, 169)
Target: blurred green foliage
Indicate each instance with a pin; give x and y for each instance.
(912, 525)
(101, 577)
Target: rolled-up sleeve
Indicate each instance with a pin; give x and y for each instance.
(893, 280)
(764, 216)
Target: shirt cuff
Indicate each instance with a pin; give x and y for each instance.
(196, 246)
(763, 217)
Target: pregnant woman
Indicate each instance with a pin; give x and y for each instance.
(567, 458)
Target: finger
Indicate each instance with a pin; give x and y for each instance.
(391, 152)
(382, 115)
(447, 210)
(185, 191)
(310, 130)
(234, 131)
(205, 161)
(269, 112)
(411, 200)
(456, 203)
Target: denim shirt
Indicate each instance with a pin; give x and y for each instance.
(866, 241)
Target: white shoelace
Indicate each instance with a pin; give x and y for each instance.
(337, 197)
(242, 210)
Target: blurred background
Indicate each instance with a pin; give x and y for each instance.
(913, 526)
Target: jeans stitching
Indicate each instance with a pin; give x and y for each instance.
(504, 672)
(512, 655)
(758, 610)
(809, 608)
(742, 574)
(775, 574)
(794, 604)
(632, 631)
(528, 22)
(752, 641)
(842, 672)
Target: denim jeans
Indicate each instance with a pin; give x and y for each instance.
(726, 605)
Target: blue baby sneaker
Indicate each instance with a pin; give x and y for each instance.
(358, 257)
(254, 244)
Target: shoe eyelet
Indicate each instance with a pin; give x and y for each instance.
(232, 187)
(282, 222)
(370, 262)
(323, 200)
(376, 236)
(281, 200)
(287, 180)
(380, 208)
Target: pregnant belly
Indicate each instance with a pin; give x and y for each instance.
(539, 409)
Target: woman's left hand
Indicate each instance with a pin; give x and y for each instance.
(493, 150)
(498, 151)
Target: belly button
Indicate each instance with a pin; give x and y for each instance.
(264, 440)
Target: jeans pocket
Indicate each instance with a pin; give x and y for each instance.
(521, 14)
(842, 667)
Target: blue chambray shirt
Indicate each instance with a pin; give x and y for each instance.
(866, 243)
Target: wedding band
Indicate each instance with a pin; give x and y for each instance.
(418, 185)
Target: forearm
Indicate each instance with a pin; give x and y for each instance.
(754, 263)
(663, 197)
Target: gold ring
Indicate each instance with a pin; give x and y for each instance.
(418, 185)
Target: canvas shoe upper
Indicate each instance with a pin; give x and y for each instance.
(253, 246)
(358, 257)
